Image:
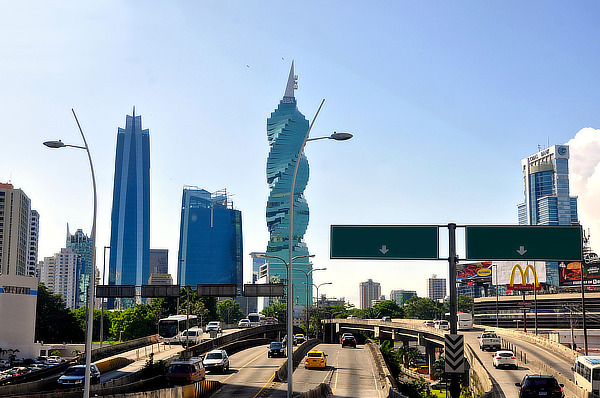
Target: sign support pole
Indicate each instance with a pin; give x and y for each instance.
(454, 377)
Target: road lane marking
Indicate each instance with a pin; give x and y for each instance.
(265, 385)
(246, 364)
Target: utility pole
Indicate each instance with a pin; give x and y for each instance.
(452, 259)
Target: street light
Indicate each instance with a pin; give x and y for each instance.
(307, 304)
(334, 136)
(318, 286)
(91, 285)
(102, 308)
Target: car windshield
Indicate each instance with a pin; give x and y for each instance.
(348, 337)
(214, 355)
(276, 345)
(505, 354)
(315, 354)
(79, 371)
(540, 382)
(488, 335)
(180, 368)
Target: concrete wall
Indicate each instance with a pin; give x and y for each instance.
(18, 300)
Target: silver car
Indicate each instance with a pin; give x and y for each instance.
(75, 376)
(216, 360)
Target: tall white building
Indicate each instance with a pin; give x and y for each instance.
(32, 254)
(436, 287)
(15, 209)
(367, 292)
(59, 274)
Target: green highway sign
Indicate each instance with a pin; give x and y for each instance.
(388, 242)
(527, 242)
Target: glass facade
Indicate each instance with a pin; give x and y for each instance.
(547, 200)
(130, 217)
(81, 245)
(286, 130)
(210, 239)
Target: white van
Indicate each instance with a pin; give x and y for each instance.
(192, 336)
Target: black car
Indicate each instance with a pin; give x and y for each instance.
(348, 339)
(276, 349)
(539, 385)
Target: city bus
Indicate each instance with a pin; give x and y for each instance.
(586, 372)
(256, 319)
(464, 321)
(170, 328)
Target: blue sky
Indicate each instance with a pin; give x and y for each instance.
(444, 100)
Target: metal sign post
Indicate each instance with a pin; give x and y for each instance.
(454, 354)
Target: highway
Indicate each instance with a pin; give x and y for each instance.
(506, 378)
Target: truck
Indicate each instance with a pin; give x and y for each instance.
(489, 341)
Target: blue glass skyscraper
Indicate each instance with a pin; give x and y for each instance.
(286, 129)
(210, 239)
(130, 218)
(547, 199)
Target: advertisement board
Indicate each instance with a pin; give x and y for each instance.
(514, 271)
(479, 270)
(570, 273)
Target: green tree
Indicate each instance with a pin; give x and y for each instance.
(54, 322)
(135, 322)
(278, 311)
(229, 311)
(422, 308)
(465, 304)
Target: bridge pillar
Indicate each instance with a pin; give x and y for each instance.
(376, 332)
(430, 353)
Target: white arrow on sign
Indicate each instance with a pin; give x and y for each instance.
(522, 250)
(384, 249)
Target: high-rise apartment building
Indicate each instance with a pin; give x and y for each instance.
(159, 261)
(436, 287)
(59, 274)
(210, 239)
(258, 260)
(32, 255)
(81, 245)
(130, 217)
(15, 208)
(286, 130)
(367, 292)
(400, 296)
(547, 199)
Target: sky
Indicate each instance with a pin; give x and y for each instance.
(444, 99)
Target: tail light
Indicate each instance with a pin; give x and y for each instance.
(513, 357)
(558, 389)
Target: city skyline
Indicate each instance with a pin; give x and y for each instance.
(444, 100)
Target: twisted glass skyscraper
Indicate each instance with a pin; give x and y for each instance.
(286, 129)
(130, 218)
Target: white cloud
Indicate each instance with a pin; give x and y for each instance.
(584, 177)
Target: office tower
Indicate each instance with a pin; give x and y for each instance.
(15, 208)
(59, 274)
(130, 218)
(210, 239)
(547, 200)
(32, 255)
(286, 130)
(258, 260)
(367, 292)
(400, 296)
(160, 279)
(81, 245)
(436, 287)
(159, 261)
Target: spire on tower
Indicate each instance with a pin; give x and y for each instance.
(291, 83)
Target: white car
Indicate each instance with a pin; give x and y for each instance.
(244, 323)
(429, 323)
(214, 326)
(505, 358)
(442, 325)
(216, 360)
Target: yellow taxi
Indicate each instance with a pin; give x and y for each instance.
(299, 338)
(315, 359)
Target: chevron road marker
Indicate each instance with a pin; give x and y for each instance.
(454, 351)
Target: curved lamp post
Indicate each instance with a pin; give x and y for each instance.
(91, 285)
(334, 136)
(307, 303)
